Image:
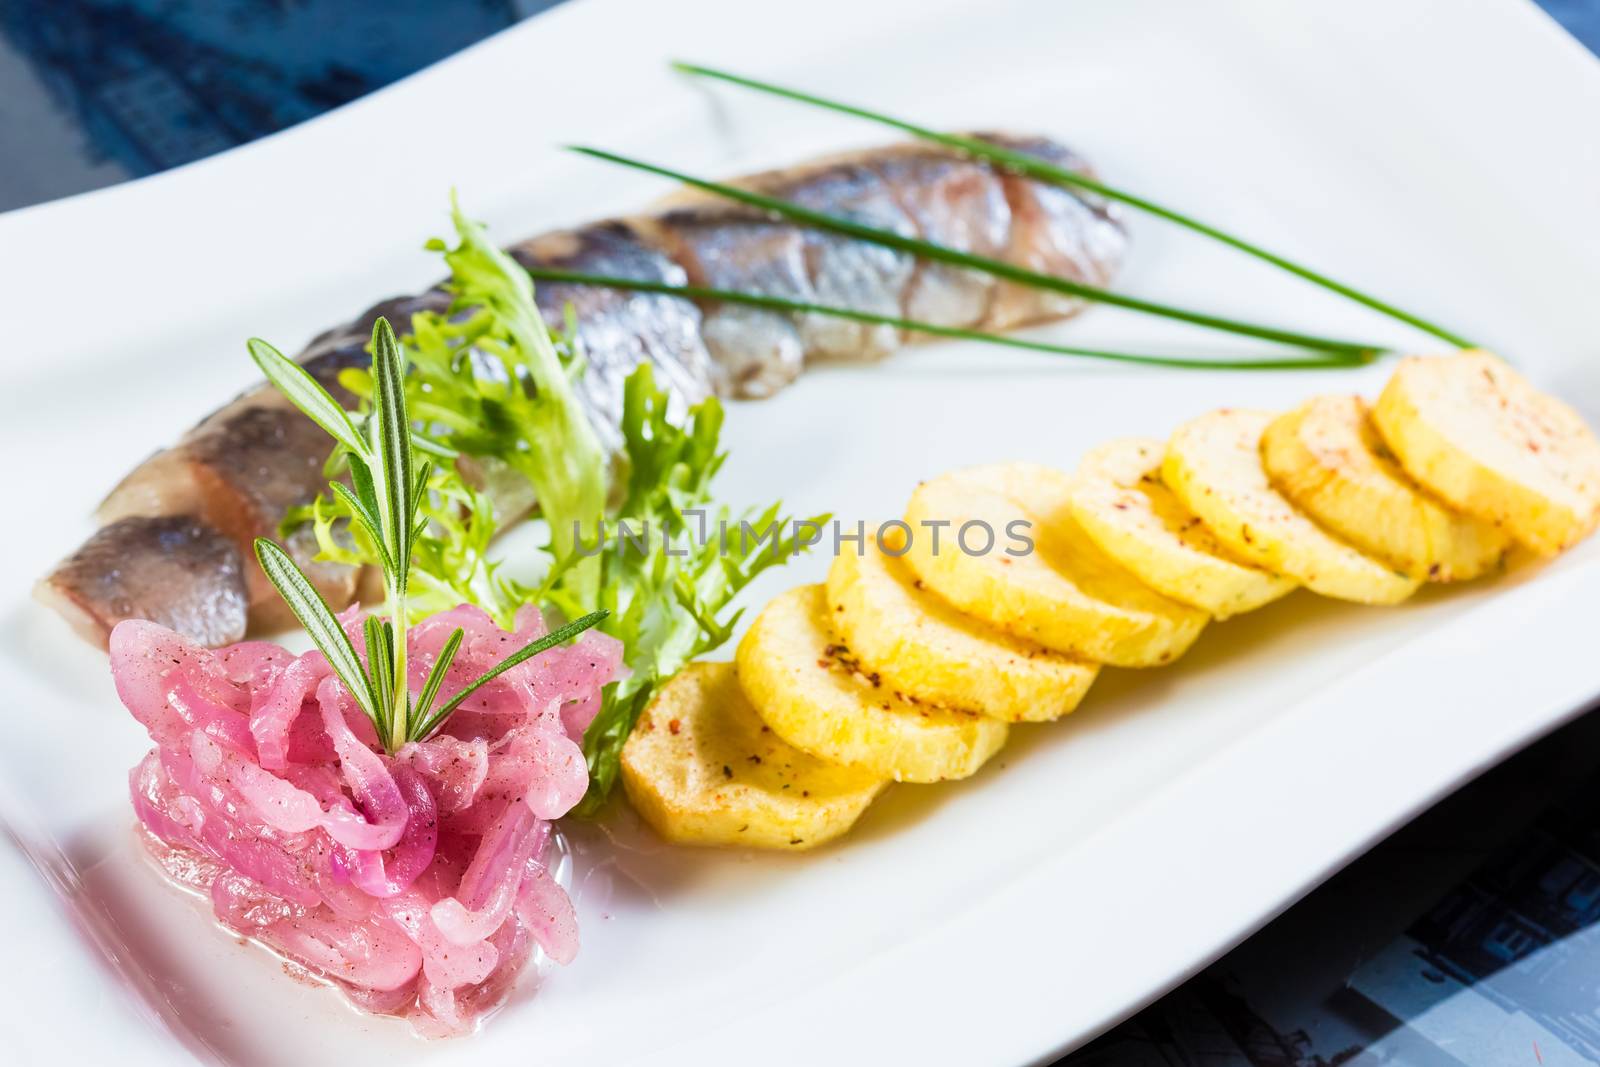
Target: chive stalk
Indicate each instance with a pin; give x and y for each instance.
(994, 267)
(802, 307)
(1041, 170)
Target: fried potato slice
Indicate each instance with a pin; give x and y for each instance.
(1326, 456)
(1065, 594)
(1121, 503)
(702, 769)
(1477, 435)
(921, 647)
(1213, 466)
(806, 685)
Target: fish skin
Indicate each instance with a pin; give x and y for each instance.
(346, 345)
(733, 247)
(233, 476)
(958, 203)
(617, 330)
(171, 569)
(917, 190)
(849, 273)
(757, 352)
(264, 421)
(239, 472)
(1056, 230)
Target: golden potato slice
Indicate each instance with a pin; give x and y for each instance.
(920, 647)
(702, 769)
(1477, 435)
(1213, 466)
(805, 684)
(1119, 500)
(1064, 593)
(1327, 458)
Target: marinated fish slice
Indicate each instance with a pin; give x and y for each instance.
(757, 351)
(702, 769)
(618, 330)
(1327, 457)
(1055, 229)
(172, 569)
(960, 203)
(161, 485)
(843, 271)
(955, 202)
(731, 350)
(1120, 501)
(165, 483)
(346, 345)
(239, 472)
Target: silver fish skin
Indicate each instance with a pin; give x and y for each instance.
(161, 553)
(238, 473)
(171, 569)
(618, 330)
(915, 190)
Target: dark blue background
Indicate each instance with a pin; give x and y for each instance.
(96, 91)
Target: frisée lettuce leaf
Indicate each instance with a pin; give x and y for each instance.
(489, 388)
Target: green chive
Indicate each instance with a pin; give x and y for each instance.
(800, 307)
(994, 267)
(1034, 167)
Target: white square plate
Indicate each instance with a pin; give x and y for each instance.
(1442, 154)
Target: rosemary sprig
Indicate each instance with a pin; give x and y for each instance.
(783, 304)
(995, 267)
(388, 486)
(1037, 168)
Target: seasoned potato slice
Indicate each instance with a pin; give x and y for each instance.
(1475, 433)
(1327, 458)
(1213, 466)
(805, 684)
(1065, 594)
(919, 646)
(702, 769)
(1119, 500)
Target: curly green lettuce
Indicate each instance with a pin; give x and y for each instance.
(490, 389)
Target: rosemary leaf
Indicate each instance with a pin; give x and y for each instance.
(378, 657)
(419, 488)
(306, 393)
(394, 444)
(441, 665)
(369, 522)
(528, 651)
(366, 488)
(318, 619)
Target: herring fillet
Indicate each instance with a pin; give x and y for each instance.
(163, 549)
